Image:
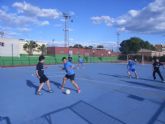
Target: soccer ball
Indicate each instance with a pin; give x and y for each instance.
(67, 91)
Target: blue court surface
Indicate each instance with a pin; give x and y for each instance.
(107, 96)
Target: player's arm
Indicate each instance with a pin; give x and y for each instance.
(37, 74)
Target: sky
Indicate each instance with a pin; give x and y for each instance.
(93, 21)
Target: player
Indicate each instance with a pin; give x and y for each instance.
(70, 74)
(156, 69)
(41, 76)
(80, 61)
(70, 58)
(131, 67)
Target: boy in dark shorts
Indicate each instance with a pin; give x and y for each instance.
(156, 69)
(41, 76)
(70, 74)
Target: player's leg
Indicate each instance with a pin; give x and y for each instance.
(161, 77)
(48, 85)
(40, 88)
(129, 73)
(154, 75)
(75, 85)
(136, 75)
(64, 82)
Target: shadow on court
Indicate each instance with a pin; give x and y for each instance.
(33, 85)
(58, 85)
(155, 117)
(5, 120)
(83, 110)
(144, 85)
(123, 76)
(116, 76)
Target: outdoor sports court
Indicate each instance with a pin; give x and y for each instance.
(107, 96)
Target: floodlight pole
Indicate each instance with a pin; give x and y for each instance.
(66, 29)
(118, 40)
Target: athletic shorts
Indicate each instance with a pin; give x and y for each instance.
(131, 70)
(43, 79)
(71, 77)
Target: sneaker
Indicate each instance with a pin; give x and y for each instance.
(78, 91)
(62, 89)
(39, 93)
(50, 91)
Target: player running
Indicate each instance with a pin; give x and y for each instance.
(41, 76)
(70, 74)
(156, 69)
(131, 68)
(80, 61)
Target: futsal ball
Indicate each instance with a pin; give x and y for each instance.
(68, 91)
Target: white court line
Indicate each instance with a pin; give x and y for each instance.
(121, 85)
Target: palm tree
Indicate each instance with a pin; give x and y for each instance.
(30, 46)
(43, 49)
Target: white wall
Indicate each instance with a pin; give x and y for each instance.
(6, 50)
(18, 49)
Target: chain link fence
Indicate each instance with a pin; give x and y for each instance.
(27, 60)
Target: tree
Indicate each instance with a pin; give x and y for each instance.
(30, 46)
(100, 46)
(90, 47)
(77, 46)
(147, 45)
(43, 49)
(134, 44)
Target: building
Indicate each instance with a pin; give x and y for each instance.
(14, 47)
(9, 47)
(151, 53)
(160, 47)
(78, 51)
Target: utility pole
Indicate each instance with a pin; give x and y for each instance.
(67, 17)
(118, 40)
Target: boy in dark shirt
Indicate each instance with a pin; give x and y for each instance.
(41, 76)
(156, 69)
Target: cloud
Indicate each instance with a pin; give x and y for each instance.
(31, 10)
(45, 23)
(24, 29)
(15, 20)
(12, 19)
(103, 19)
(148, 20)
